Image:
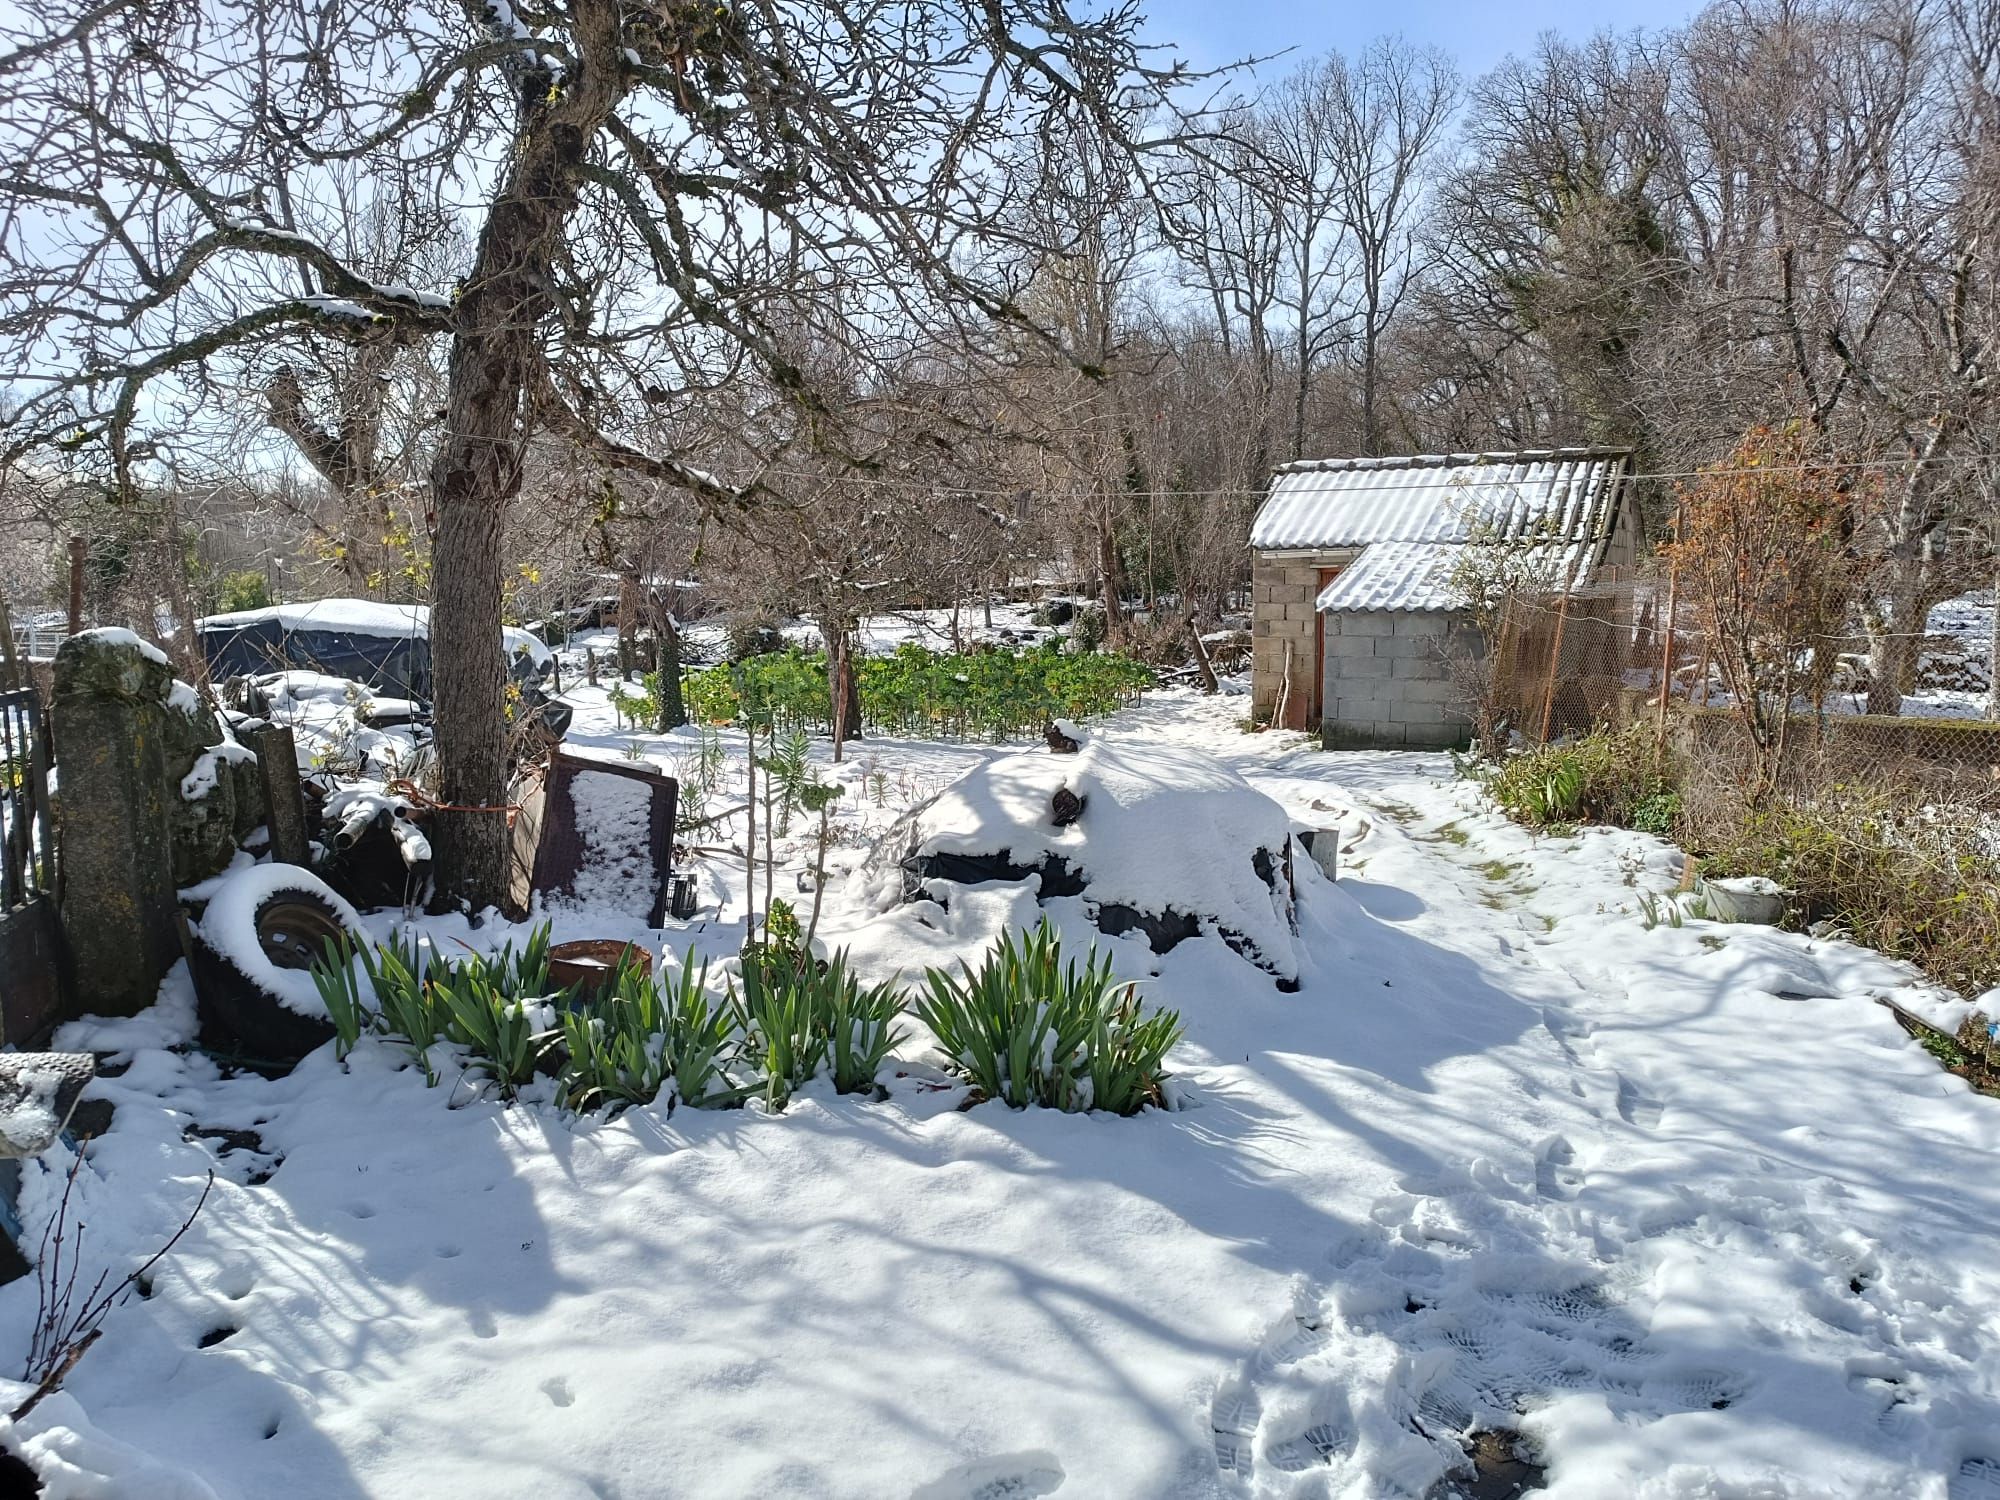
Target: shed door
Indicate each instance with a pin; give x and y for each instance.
(1316, 696)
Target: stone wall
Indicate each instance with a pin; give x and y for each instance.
(1282, 590)
(151, 796)
(1389, 682)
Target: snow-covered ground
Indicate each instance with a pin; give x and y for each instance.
(1682, 1204)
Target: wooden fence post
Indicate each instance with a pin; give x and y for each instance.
(1667, 661)
(284, 805)
(76, 555)
(1555, 665)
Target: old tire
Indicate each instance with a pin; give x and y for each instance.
(251, 961)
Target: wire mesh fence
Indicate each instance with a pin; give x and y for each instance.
(1885, 827)
(1627, 646)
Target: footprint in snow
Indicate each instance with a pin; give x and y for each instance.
(1554, 1178)
(1449, 1316)
(558, 1391)
(1637, 1107)
(1976, 1479)
(1012, 1476)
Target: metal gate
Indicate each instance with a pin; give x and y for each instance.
(34, 963)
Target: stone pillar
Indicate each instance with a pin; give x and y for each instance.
(113, 818)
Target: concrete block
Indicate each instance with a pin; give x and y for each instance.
(1367, 622)
(1435, 737)
(1301, 611)
(115, 821)
(1419, 622)
(1352, 668)
(1338, 734)
(1419, 713)
(1343, 647)
(1430, 690)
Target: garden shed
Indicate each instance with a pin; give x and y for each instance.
(1356, 614)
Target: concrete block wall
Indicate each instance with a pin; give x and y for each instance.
(1389, 684)
(1282, 590)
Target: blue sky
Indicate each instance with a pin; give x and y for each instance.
(1476, 34)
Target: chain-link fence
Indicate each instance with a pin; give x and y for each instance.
(1627, 646)
(1883, 826)
(1562, 664)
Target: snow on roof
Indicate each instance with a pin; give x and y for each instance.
(1419, 575)
(1568, 494)
(361, 617)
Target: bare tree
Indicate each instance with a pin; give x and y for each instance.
(1388, 110)
(630, 178)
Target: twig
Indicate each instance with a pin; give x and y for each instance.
(61, 1339)
(56, 1376)
(712, 818)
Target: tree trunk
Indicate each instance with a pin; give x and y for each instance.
(667, 663)
(485, 428)
(1894, 645)
(842, 683)
(628, 624)
(1111, 573)
(1371, 427)
(468, 670)
(1207, 669)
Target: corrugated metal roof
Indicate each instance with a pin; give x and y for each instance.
(1565, 494)
(1394, 575)
(1418, 575)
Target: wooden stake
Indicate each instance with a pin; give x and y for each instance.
(1667, 661)
(76, 557)
(1555, 665)
(1281, 709)
(284, 805)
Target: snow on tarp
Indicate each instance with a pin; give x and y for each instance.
(1164, 829)
(247, 641)
(298, 686)
(37, 1093)
(229, 928)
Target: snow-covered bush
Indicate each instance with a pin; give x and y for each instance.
(1030, 1027)
(635, 1040)
(799, 1017)
(621, 1045)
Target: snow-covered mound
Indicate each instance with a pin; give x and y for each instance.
(1160, 839)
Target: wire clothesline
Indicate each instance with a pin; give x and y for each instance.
(1473, 481)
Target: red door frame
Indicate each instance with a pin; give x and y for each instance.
(1316, 699)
